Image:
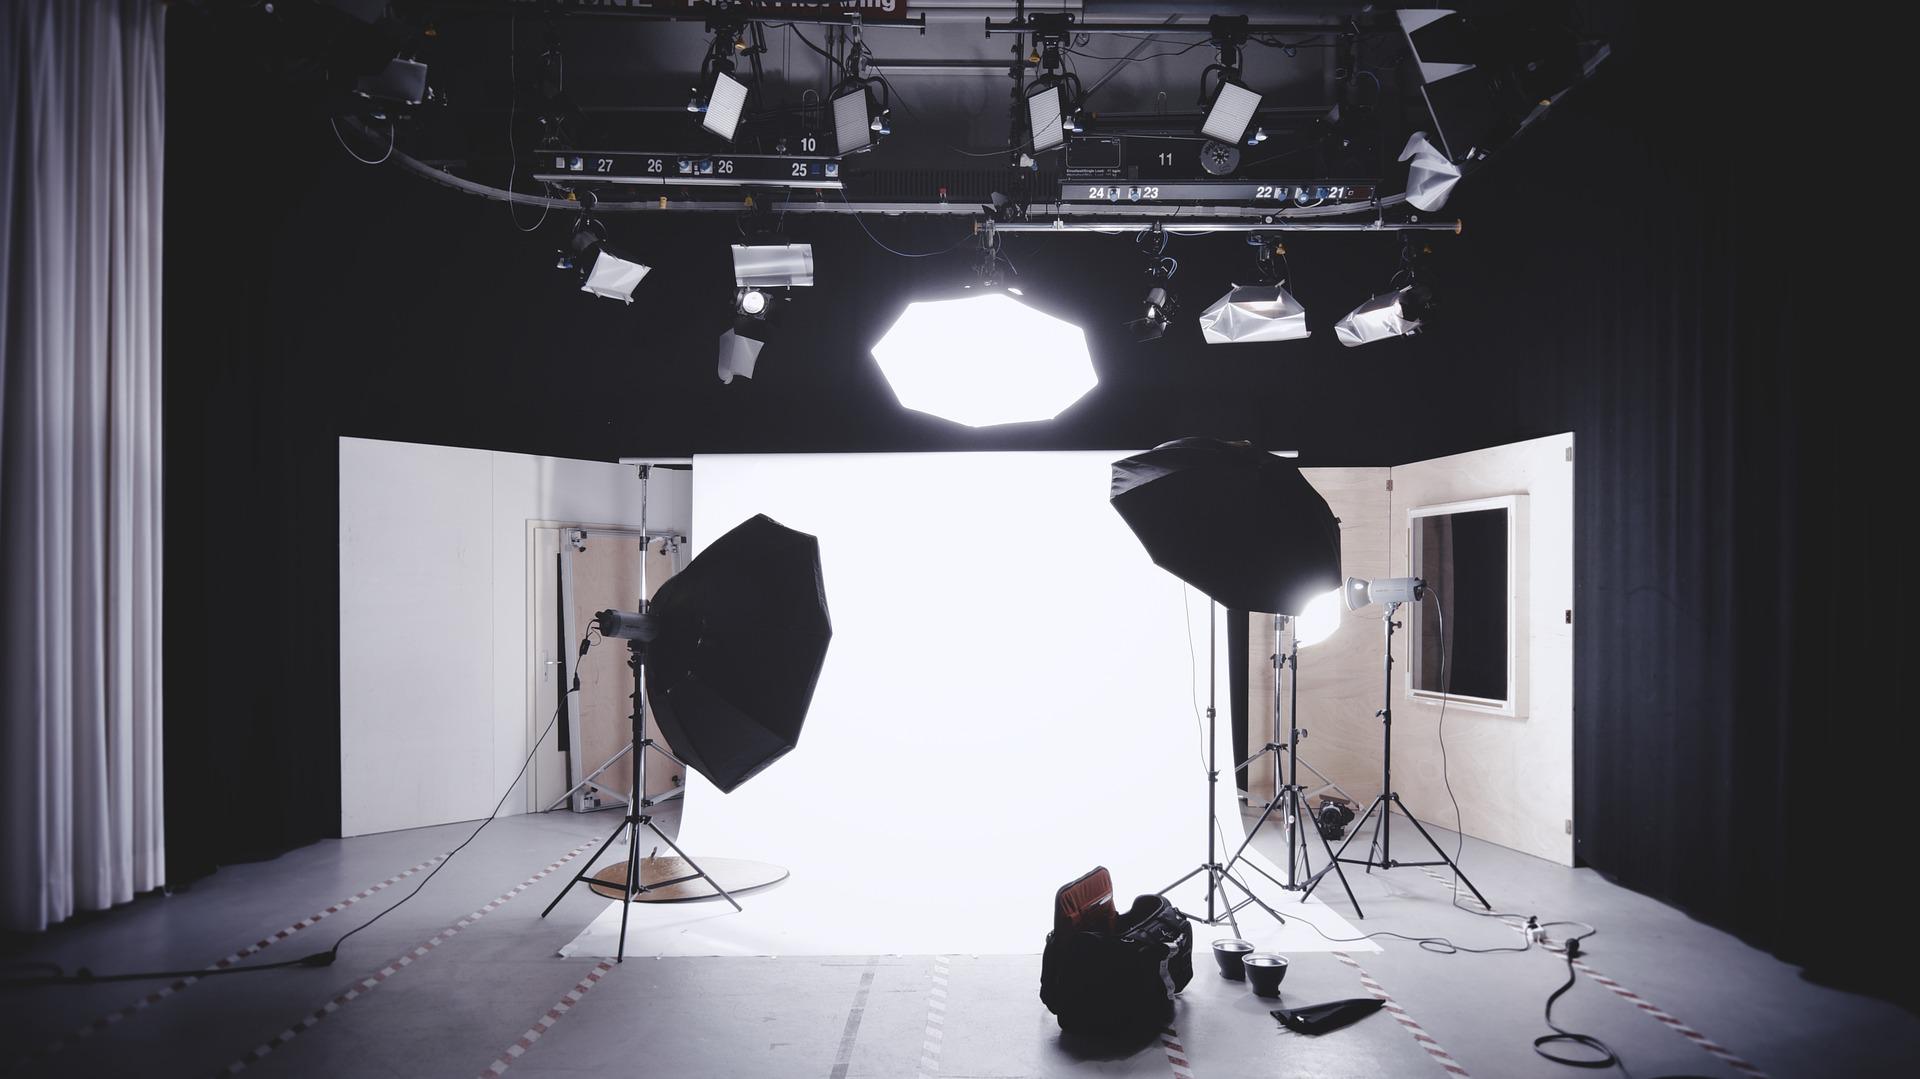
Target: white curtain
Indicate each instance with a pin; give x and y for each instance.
(80, 517)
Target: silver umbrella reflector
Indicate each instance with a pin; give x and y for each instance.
(1254, 313)
(1380, 318)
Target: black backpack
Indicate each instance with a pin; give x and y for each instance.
(1106, 973)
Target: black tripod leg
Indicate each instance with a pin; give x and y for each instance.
(703, 874)
(1259, 902)
(1333, 863)
(633, 887)
(584, 870)
(1253, 831)
(1451, 864)
(1352, 834)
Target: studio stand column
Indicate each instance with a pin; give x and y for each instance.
(1290, 797)
(639, 815)
(1221, 907)
(1380, 853)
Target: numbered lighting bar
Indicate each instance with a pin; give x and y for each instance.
(808, 171)
(1214, 191)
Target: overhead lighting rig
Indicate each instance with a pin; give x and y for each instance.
(1053, 101)
(719, 97)
(1232, 105)
(862, 106)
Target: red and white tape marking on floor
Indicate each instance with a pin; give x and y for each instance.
(1426, 1041)
(373, 981)
(1732, 1059)
(545, 1023)
(1176, 1054)
(935, 1038)
(180, 985)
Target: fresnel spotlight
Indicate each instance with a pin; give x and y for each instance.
(763, 272)
(1160, 306)
(601, 271)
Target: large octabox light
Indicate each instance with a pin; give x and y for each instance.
(985, 359)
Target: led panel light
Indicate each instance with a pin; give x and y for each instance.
(1254, 313)
(772, 265)
(729, 96)
(985, 360)
(1231, 113)
(614, 277)
(1044, 113)
(852, 124)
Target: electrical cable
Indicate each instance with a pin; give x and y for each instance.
(1561, 1035)
(326, 957)
(892, 251)
(334, 122)
(513, 103)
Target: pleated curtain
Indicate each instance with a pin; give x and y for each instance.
(81, 134)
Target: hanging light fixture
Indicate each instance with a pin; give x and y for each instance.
(1160, 305)
(1233, 104)
(985, 357)
(1399, 312)
(1261, 312)
(601, 270)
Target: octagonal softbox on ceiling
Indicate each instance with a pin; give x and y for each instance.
(985, 359)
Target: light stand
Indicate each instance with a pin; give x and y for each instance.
(1291, 794)
(1220, 906)
(638, 803)
(1388, 798)
(638, 816)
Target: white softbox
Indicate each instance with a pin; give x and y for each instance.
(614, 277)
(1254, 313)
(1376, 320)
(1430, 176)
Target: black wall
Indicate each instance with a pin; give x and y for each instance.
(1611, 281)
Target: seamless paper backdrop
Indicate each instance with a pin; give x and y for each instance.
(1014, 694)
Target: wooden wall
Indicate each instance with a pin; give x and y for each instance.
(1512, 774)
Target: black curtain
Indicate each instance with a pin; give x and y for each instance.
(1637, 270)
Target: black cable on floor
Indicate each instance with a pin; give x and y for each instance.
(325, 957)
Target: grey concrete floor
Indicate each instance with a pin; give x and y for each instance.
(473, 988)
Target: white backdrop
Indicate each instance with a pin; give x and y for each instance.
(1013, 695)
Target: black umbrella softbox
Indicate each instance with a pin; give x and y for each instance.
(742, 634)
(1237, 523)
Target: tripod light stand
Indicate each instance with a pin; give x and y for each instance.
(1393, 592)
(1290, 797)
(1247, 529)
(1220, 905)
(638, 805)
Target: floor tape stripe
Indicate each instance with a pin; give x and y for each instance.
(182, 984)
(374, 980)
(930, 1045)
(545, 1023)
(1421, 1038)
(844, 1059)
(1177, 1059)
(1709, 1045)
